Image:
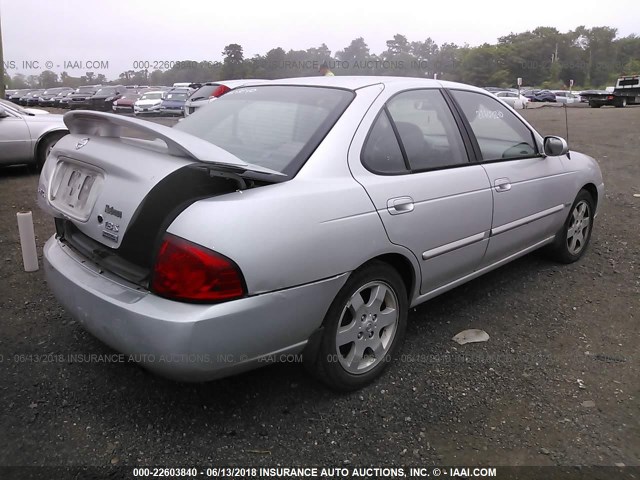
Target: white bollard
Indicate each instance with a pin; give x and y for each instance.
(27, 241)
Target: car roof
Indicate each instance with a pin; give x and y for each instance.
(357, 82)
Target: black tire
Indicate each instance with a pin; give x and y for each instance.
(44, 146)
(566, 248)
(620, 102)
(327, 360)
(594, 105)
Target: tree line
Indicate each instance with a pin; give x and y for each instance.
(543, 57)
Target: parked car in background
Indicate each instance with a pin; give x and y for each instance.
(174, 100)
(8, 93)
(149, 103)
(564, 96)
(237, 236)
(18, 94)
(47, 98)
(103, 99)
(212, 90)
(27, 138)
(31, 98)
(539, 95)
(62, 99)
(81, 98)
(515, 100)
(124, 104)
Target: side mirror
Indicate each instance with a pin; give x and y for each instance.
(3, 112)
(555, 146)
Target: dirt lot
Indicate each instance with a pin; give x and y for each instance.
(558, 383)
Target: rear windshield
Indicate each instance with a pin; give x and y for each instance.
(277, 127)
(203, 92)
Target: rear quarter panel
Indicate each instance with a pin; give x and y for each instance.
(317, 225)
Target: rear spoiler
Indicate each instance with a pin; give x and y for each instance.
(181, 144)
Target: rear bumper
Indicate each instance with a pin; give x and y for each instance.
(187, 342)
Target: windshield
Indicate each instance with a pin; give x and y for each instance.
(176, 96)
(12, 106)
(151, 96)
(276, 127)
(86, 90)
(106, 91)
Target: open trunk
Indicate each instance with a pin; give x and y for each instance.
(114, 195)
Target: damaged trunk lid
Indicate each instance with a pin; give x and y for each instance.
(114, 184)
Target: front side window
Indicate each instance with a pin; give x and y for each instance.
(500, 134)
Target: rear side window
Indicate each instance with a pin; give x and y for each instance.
(500, 134)
(381, 153)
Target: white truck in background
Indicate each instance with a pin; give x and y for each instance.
(626, 92)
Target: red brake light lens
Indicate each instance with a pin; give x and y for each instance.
(189, 272)
(218, 92)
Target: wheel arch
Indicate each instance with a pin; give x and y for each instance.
(48, 134)
(403, 265)
(593, 191)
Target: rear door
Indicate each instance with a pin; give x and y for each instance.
(529, 199)
(15, 139)
(413, 162)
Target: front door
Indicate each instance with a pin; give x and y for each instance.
(529, 202)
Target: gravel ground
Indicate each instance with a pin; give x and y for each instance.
(556, 384)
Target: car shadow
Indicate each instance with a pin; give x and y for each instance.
(246, 402)
(17, 171)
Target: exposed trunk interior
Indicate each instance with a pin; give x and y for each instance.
(134, 259)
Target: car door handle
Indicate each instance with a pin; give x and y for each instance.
(502, 184)
(399, 205)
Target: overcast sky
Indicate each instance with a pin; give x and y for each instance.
(122, 31)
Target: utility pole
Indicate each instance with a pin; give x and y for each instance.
(1, 63)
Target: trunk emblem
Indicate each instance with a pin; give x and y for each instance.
(112, 211)
(82, 143)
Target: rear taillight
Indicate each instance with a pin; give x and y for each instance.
(186, 271)
(218, 92)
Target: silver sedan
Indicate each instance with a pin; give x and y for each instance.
(301, 217)
(27, 136)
